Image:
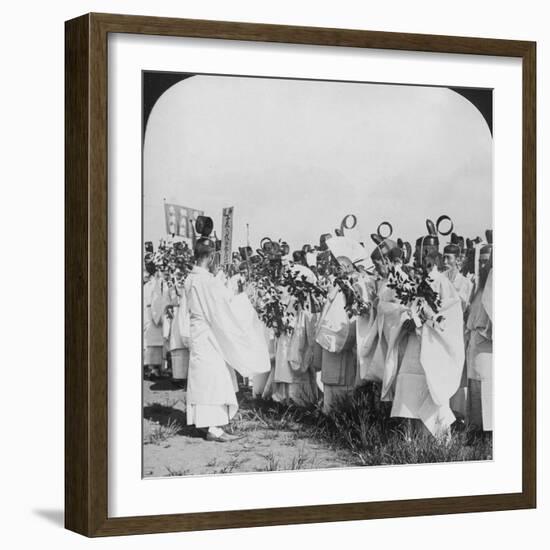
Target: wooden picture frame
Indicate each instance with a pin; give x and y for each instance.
(86, 280)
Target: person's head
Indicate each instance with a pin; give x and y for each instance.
(244, 268)
(427, 245)
(485, 263)
(379, 260)
(323, 263)
(204, 252)
(381, 266)
(150, 269)
(430, 260)
(451, 255)
(395, 256)
(345, 265)
(298, 257)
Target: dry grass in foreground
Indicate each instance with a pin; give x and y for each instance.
(277, 437)
(361, 425)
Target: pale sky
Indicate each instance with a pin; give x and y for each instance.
(294, 157)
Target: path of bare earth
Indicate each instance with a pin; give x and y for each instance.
(263, 447)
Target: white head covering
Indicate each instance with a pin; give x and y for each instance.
(348, 248)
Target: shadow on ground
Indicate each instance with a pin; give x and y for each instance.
(165, 415)
(165, 384)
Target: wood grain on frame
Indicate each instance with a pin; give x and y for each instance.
(86, 278)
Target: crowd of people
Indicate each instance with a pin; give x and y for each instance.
(313, 325)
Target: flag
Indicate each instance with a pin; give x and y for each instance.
(227, 235)
(179, 219)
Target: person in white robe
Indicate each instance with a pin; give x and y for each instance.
(236, 280)
(155, 300)
(367, 332)
(224, 336)
(462, 284)
(383, 325)
(336, 331)
(464, 287)
(294, 373)
(179, 336)
(239, 283)
(479, 354)
(430, 370)
(262, 383)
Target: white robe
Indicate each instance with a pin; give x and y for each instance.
(480, 349)
(293, 374)
(365, 328)
(155, 299)
(179, 333)
(336, 334)
(180, 324)
(432, 364)
(464, 287)
(262, 383)
(378, 334)
(223, 338)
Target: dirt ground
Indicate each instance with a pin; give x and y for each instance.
(171, 448)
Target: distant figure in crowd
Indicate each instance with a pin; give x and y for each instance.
(178, 329)
(155, 300)
(294, 372)
(464, 286)
(431, 367)
(480, 346)
(336, 334)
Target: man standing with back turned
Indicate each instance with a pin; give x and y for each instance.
(221, 342)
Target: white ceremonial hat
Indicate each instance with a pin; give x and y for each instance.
(348, 248)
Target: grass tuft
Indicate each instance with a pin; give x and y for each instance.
(154, 433)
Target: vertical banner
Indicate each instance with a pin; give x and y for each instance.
(227, 235)
(179, 219)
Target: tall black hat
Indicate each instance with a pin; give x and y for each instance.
(255, 259)
(383, 247)
(429, 242)
(323, 241)
(405, 246)
(458, 241)
(298, 256)
(245, 252)
(452, 249)
(204, 226)
(488, 248)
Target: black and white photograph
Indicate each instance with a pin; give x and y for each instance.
(317, 274)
